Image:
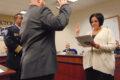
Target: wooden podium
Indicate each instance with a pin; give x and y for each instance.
(70, 67)
(117, 67)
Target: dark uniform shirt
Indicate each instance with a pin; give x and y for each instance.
(12, 41)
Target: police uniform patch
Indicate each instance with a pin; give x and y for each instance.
(16, 34)
(3, 31)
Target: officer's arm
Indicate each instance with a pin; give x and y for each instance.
(11, 44)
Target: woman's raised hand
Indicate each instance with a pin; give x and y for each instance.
(77, 29)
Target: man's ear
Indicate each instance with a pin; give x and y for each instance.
(38, 1)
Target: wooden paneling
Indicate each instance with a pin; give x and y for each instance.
(3, 60)
(71, 68)
(117, 67)
(70, 59)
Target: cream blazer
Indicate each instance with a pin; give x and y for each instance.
(101, 59)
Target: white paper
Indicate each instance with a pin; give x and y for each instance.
(1, 71)
(84, 40)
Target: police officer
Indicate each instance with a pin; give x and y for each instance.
(12, 41)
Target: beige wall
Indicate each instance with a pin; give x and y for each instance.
(110, 8)
(5, 20)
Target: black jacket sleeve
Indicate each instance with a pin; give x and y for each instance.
(11, 42)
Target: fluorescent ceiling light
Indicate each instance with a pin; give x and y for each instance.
(23, 12)
(72, 0)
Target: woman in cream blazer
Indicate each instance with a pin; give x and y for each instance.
(99, 60)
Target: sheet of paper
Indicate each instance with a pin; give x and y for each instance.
(1, 71)
(84, 40)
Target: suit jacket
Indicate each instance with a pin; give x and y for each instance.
(12, 41)
(38, 40)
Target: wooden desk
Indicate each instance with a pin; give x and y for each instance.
(71, 68)
(5, 75)
(3, 60)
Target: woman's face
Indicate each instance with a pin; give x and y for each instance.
(94, 22)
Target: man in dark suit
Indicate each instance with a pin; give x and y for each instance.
(38, 39)
(12, 41)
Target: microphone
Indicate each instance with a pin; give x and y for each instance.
(92, 37)
(92, 31)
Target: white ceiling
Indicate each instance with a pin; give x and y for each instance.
(11, 7)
